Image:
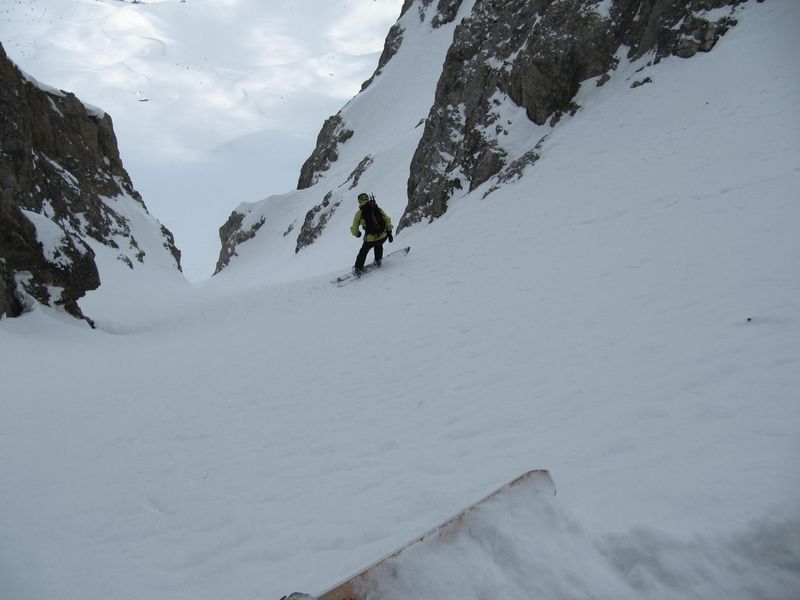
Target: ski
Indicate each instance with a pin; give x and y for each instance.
(357, 587)
(341, 280)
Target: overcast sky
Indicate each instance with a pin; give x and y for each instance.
(215, 102)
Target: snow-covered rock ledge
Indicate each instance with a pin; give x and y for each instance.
(65, 199)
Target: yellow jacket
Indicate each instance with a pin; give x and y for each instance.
(358, 224)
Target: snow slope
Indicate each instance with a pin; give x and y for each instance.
(626, 315)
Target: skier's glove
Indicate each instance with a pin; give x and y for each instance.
(358, 234)
(391, 238)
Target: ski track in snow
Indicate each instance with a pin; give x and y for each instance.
(633, 328)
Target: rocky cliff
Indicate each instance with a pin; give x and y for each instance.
(536, 54)
(64, 194)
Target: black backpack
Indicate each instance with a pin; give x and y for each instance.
(373, 218)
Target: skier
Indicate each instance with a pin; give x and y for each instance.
(378, 228)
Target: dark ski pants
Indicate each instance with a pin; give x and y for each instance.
(377, 245)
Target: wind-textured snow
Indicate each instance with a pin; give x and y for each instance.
(627, 315)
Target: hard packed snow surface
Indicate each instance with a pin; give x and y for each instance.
(626, 315)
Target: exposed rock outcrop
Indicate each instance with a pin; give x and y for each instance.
(326, 152)
(535, 53)
(61, 179)
(232, 233)
(316, 220)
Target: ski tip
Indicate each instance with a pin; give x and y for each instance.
(536, 481)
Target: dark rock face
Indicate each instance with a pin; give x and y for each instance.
(535, 53)
(30, 267)
(446, 12)
(59, 172)
(669, 27)
(333, 133)
(406, 5)
(10, 303)
(231, 235)
(316, 220)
